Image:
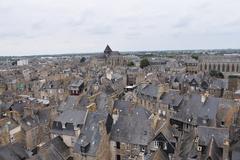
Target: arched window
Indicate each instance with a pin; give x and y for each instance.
(214, 66)
(223, 67)
(233, 68)
(227, 70)
(218, 67)
(210, 67)
(237, 69)
(205, 67)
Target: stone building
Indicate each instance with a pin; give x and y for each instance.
(234, 83)
(76, 88)
(114, 58)
(110, 58)
(93, 142)
(68, 125)
(30, 128)
(53, 90)
(149, 96)
(132, 135)
(191, 66)
(226, 64)
(10, 131)
(134, 76)
(55, 149)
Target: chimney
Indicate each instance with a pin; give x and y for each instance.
(102, 128)
(225, 149)
(161, 90)
(204, 97)
(154, 120)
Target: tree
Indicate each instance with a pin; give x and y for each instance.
(83, 59)
(131, 64)
(195, 56)
(144, 63)
(217, 74)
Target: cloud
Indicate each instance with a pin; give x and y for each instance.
(39, 26)
(183, 22)
(100, 30)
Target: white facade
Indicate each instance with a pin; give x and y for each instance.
(22, 62)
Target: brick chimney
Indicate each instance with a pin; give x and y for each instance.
(225, 149)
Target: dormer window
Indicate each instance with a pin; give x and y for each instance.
(69, 126)
(165, 146)
(204, 121)
(222, 123)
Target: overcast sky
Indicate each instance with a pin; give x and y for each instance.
(66, 26)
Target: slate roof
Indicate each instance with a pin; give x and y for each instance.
(205, 135)
(186, 78)
(171, 98)
(122, 106)
(13, 152)
(55, 149)
(192, 109)
(76, 83)
(117, 76)
(29, 122)
(187, 149)
(213, 151)
(107, 49)
(134, 128)
(102, 102)
(84, 101)
(72, 116)
(219, 84)
(235, 149)
(70, 103)
(53, 85)
(150, 90)
(18, 106)
(90, 135)
(44, 115)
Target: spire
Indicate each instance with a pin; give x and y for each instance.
(107, 50)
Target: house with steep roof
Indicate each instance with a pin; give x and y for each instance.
(68, 125)
(93, 141)
(55, 149)
(133, 132)
(76, 87)
(149, 96)
(13, 152)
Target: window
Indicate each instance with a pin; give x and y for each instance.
(72, 140)
(165, 146)
(156, 144)
(227, 70)
(118, 145)
(159, 112)
(233, 68)
(142, 149)
(223, 67)
(222, 123)
(164, 113)
(118, 157)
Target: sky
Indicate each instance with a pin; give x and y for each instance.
(29, 27)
